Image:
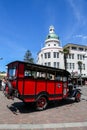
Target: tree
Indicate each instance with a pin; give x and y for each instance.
(80, 66)
(65, 52)
(28, 57)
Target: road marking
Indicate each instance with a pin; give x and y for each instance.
(42, 126)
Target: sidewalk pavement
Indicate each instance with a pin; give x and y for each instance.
(60, 116)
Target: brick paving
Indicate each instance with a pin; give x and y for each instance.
(15, 112)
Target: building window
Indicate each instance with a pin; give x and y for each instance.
(55, 54)
(80, 57)
(54, 44)
(70, 66)
(45, 63)
(74, 48)
(45, 55)
(49, 64)
(69, 56)
(48, 54)
(56, 64)
(80, 49)
(73, 66)
(83, 66)
(72, 56)
(42, 56)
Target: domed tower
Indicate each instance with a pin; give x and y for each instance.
(52, 37)
(50, 54)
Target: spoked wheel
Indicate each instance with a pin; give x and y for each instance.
(41, 103)
(7, 94)
(78, 97)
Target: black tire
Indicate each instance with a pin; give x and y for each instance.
(10, 88)
(78, 97)
(41, 103)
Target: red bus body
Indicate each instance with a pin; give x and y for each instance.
(31, 81)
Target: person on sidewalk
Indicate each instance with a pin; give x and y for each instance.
(3, 83)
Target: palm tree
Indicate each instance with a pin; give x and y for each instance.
(80, 66)
(65, 52)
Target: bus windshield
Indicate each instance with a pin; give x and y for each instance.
(12, 72)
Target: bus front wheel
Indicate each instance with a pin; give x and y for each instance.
(41, 103)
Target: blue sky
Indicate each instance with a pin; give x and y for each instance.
(24, 25)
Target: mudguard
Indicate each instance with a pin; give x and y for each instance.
(75, 92)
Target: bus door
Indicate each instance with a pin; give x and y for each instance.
(58, 88)
(65, 87)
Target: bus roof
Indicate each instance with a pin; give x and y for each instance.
(42, 68)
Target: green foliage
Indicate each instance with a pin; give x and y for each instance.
(65, 52)
(80, 66)
(28, 57)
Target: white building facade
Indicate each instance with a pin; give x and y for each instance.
(50, 54)
(77, 53)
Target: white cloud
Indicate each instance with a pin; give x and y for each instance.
(82, 39)
(77, 8)
(81, 36)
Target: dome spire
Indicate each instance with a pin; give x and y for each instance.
(51, 29)
(52, 34)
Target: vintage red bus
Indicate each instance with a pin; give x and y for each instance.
(36, 83)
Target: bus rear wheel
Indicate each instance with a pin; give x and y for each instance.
(41, 103)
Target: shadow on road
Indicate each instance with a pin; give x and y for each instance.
(20, 107)
(57, 104)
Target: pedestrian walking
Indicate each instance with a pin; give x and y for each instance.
(3, 83)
